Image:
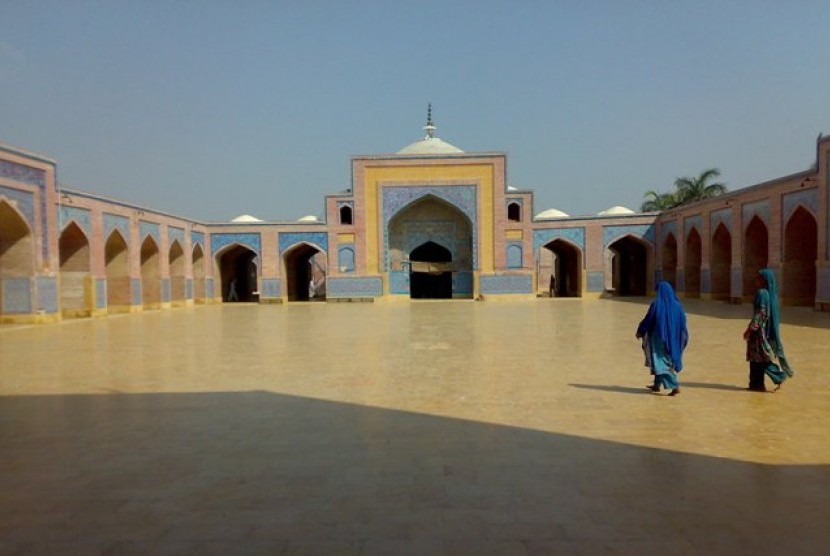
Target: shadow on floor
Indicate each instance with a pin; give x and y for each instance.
(270, 473)
(609, 388)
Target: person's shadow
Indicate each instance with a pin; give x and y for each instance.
(644, 390)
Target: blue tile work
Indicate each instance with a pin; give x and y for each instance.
(173, 234)
(573, 235)
(759, 209)
(149, 229)
(450, 234)
(371, 286)
(705, 280)
(47, 294)
(612, 233)
(320, 240)
(135, 289)
(596, 281)
(24, 202)
(823, 286)
(718, 217)
(345, 258)
(270, 287)
(252, 241)
(670, 228)
(514, 255)
(100, 293)
(17, 296)
(789, 202)
(188, 288)
(736, 284)
(507, 283)
(22, 174)
(680, 280)
(197, 237)
(399, 282)
(209, 288)
(116, 222)
(462, 197)
(74, 214)
(462, 282)
(165, 290)
(692, 222)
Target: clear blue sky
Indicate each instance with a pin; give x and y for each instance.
(213, 109)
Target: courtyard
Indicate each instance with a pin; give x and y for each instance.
(496, 427)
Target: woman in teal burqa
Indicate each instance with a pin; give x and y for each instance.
(664, 335)
(763, 337)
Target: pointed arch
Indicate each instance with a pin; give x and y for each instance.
(116, 264)
(669, 259)
(197, 263)
(17, 256)
(74, 257)
(176, 265)
(800, 258)
(305, 268)
(628, 265)
(150, 264)
(693, 256)
(236, 266)
(755, 253)
(563, 273)
(721, 262)
(514, 212)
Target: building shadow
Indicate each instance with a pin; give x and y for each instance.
(260, 472)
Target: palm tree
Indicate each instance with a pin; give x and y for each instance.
(658, 201)
(690, 190)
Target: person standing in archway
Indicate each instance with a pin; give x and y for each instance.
(665, 336)
(232, 294)
(763, 337)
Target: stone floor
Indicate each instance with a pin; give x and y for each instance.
(407, 428)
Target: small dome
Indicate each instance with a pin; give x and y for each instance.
(615, 211)
(245, 218)
(551, 213)
(308, 218)
(430, 145)
(511, 188)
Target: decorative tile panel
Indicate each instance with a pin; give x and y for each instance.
(47, 294)
(573, 235)
(462, 282)
(149, 229)
(252, 241)
(80, 216)
(514, 255)
(197, 237)
(22, 174)
(135, 289)
(692, 222)
(670, 228)
(718, 217)
(175, 234)
(612, 233)
(596, 281)
(165, 290)
(345, 258)
(806, 197)
(188, 288)
(209, 289)
(823, 286)
(100, 293)
(399, 282)
(117, 222)
(759, 209)
(270, 288)
(736, 282)
(506, 283)
(17, 296)
(320, 240)
(371, 286)
(705, 280)
(680, 280)
(24, 201)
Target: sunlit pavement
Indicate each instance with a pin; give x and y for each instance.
(465, 427)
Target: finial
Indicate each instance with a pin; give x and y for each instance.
(429, 128)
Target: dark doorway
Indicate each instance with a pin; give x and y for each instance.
(756, 254)
(305, 273)
(721, 263)
(630, 266)
(566, 269)
(239, 274)
(670, 260)
(430, 276)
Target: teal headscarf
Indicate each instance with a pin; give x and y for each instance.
(772, 327)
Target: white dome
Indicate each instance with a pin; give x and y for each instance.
(430, 145)
(308, 218)
(615, 211)
(511, 188)
(551, 213)
(243, 218)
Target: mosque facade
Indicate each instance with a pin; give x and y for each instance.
(428, 222)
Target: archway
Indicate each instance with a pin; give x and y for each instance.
(305, 273)
(16, 249)
(693, 257)
(177, 274)
(197, 260)
(430, 220)
(565, 269)
(756, 254)
(430, 277)
(629, 266)
(116, 261)
(150, 274)
(74, 257)
(238, 273)
(721, 263)
(670, 260)
(800, 255)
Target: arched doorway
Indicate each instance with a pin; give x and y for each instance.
(177, 275)
(116, 261)
(198, 265)
(305, 273)
(800, 255)
(693, 257)
(756, 254)
(670, 260)
(436, 221)
(150, 274)
(74, 257)
(430, 276)
(629, 266)
(238, 273)
(565, 268)
(721, 263)
(16, 252)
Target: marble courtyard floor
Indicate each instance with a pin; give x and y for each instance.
(517, 427)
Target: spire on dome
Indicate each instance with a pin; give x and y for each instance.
(430, 127)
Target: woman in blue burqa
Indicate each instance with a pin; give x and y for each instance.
(763, 337)
(664, 335)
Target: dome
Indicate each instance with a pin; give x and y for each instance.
(430, 144)
(308, 218)
(551, 213)
(511, 188)
(616, 211)
(246, 218)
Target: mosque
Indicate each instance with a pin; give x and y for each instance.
(429, 221)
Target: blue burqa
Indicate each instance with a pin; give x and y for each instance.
(667, 320)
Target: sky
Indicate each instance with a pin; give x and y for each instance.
(210, 109)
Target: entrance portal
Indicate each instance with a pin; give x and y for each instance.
(756, 254)
(629, 266)
(238, 273)
(305, 273)
(430, 276)
(800, 254)
(566, 269)
(721, 262)
(73, 249)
